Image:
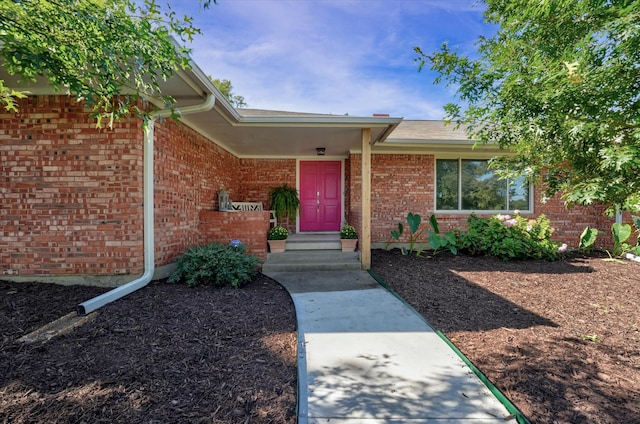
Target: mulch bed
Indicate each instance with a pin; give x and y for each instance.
(560, 339)
(165, 354)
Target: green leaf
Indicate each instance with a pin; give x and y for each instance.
(414, 221)
(636, 222)
(621, 232)
(434, 224)
(588, 237)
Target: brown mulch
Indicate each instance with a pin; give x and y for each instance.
(165, 354)
(560, 339)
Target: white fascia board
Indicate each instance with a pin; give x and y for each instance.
(437, 148)
(347, 121)
(414, 142)
(301, 157)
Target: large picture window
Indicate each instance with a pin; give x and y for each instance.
(469, 185)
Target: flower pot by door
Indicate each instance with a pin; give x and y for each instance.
(277, 246)
(348, 245)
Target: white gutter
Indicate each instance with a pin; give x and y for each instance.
(148, 209)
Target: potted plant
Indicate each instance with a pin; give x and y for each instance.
(348, 238)
(284, 201)
(277, 239)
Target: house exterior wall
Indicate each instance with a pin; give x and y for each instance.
(403, 183)
(71, 194)
(248, 227)
(189, 173)
(258, 176)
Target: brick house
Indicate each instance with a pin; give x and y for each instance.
(74, 207)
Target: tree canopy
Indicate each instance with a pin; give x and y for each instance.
(226, 88)
(558, 85)
(98, 50)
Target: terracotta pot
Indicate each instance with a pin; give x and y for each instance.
(348, 245)
(277, 246)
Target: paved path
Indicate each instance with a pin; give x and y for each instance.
(364, 356)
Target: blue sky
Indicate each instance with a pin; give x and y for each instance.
(332, 56)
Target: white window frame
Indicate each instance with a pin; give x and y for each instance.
(470, 211)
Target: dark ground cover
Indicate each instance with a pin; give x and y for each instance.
(169, 353)
(561, 339)
(165, 354)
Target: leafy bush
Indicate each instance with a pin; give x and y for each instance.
(510, 237)
(348, 232)
(216, 264)
(439, 241)
(277, 233)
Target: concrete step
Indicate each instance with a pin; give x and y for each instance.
(313, 245)
(311, 260)
(313, 242)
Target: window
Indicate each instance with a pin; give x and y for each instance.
(469, 185)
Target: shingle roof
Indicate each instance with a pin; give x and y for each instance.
(416, 131)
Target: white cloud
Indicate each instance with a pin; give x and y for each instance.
(332, 56)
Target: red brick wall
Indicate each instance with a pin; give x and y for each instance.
(189, 173)
(249, 227)
(399, 184)
(258, 176)
(405, 183)
(71, 194)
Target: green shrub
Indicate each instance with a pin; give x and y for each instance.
(216, 264)
(348, 232)
(510, 237)
(277, 233)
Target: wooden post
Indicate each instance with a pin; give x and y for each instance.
(365, 234)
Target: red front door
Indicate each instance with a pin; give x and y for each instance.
(320, 195)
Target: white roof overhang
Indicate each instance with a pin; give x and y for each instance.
(262, 134)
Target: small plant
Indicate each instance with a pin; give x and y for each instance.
(588, 238)
(620, 232)
(215, 264)
(436, 240)
(510, 237)
(277, 233)
(348, 232)
(284, 201)
(592, 338)
(414, 221)
(439, 241)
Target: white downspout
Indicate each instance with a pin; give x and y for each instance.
(148, 210)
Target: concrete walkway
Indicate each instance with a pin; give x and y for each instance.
(364, 356)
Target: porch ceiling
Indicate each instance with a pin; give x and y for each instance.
(289, 135)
